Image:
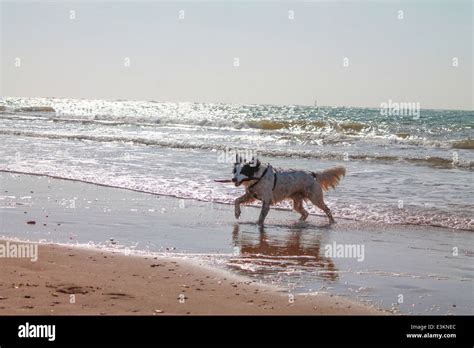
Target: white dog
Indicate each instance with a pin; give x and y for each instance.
(272, 185)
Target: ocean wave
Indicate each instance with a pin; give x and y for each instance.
(268, 124)
(394, 216)
(308, 125)
(35, 109)
(212, 122)
(467, 144)
(431, 161)
(310, 132)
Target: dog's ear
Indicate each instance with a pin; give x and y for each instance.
(254, 162)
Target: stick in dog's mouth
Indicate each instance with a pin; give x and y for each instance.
(238, 183)
(227, 181)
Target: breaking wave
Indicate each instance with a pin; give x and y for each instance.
(464, 144)
(315, 132)
(435, 162)
(35, 109)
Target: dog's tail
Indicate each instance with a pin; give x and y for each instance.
(329, 177)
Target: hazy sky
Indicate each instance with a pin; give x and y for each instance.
(282, 60)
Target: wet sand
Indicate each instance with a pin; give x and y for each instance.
(76, 281)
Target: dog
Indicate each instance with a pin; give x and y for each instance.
(272, 185)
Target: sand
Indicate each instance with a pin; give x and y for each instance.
(107, 283)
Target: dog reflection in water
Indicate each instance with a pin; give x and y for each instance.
(276, 255)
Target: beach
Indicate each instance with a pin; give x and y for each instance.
(138, 179)
(126, 252)
(107, 283)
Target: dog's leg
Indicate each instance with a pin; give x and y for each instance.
(264, 211)
(321, 205)
(247, 197)
(317, 199)
(298, 207)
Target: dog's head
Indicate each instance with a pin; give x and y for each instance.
(244, 170)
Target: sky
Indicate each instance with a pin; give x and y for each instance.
(252, 52)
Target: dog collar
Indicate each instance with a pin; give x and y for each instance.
(260, 178)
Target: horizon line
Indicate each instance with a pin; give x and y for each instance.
(230, 103)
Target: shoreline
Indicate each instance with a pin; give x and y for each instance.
(76, 281)
(227, 204)
(286, 255)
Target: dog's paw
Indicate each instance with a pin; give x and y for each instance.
(237, 213)
(303, 218)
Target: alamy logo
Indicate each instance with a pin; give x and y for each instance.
(228, 156)
(400, 109)
(37, 331)
(335, 250)
(16, 250)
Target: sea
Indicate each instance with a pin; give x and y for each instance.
(413, 168)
